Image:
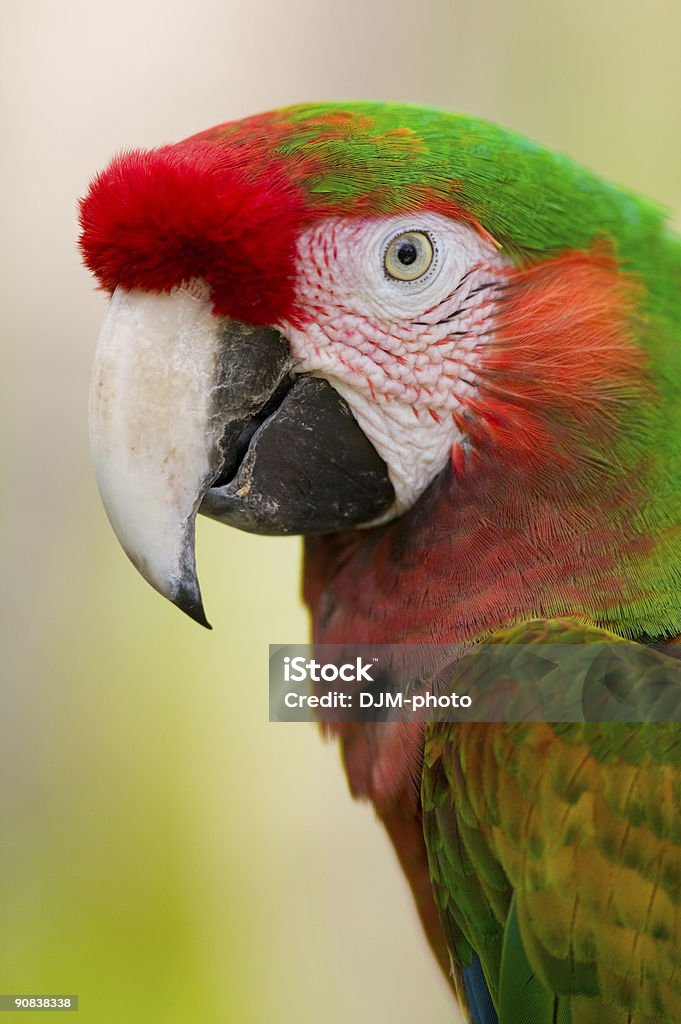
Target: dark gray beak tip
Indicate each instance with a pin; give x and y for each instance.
(188, 600)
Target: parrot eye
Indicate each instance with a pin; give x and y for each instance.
(408, 256)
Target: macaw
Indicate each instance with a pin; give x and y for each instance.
(450, 359)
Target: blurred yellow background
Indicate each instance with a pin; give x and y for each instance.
(164, 851)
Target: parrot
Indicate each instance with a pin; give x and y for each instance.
(450, 359)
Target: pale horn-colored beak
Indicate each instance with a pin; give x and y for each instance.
(169, 389)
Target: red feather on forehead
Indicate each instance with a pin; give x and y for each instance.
(156, 218)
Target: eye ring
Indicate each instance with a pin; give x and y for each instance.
(408, 256)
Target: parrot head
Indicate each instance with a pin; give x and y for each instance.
(411, 335)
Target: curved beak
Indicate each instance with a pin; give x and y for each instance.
(192, 412)
(159, 409)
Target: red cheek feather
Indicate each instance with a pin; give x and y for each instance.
(154, 219)
(562, 338)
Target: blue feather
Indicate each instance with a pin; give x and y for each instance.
(479, 999)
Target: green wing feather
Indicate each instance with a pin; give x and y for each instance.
(522, 997)
(555, 848)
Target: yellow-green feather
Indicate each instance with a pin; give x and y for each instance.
(558, 846)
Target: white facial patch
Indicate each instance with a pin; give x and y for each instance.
(402, 353)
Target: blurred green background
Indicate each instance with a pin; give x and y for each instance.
(164, 851)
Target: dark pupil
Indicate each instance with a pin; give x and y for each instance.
(407, 253)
